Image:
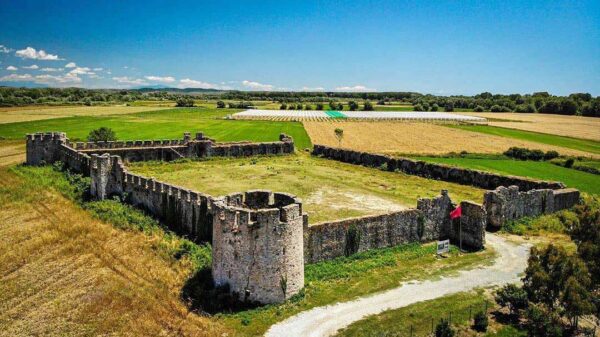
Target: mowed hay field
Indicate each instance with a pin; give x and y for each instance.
(64, 273)
(24, 114)
(418, 138)
(569, 126)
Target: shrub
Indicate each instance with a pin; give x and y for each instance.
(353, 106)
(283, 106)
(443, 329)
(449, 107)
(542, 322)
(435, 107)
(550, 155)
(480, 321)
(319, 106)
(102, 134)
(220, 105)
(418, 107)
(368, 106)
(479, 108)
(496, 108)
(513, 297)
(569, 162)
(185, 102)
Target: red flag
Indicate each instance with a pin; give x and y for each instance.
(457, 213)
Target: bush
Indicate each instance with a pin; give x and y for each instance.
(283, 106)
(102, 134)
(479, 108)
(185, 102)
(443, 329)
(569, 162)
(220, 105)
(550, 155)
(496, 108)
(449, 107)
(513, 297)
(319, 106)
(368, 106)
(435, 107)
(353, 106)
(480, 321)
(418, 107)
(541, 322)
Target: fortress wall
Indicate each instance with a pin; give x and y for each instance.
(506, 204)
(458, 175)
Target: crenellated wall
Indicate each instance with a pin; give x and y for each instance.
(261, 240)
(481, 179)
(257, 245)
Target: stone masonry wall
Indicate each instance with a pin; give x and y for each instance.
(462, 176)
(506, 204)
(257, 245)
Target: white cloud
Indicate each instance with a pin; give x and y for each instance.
(166, 79)
(189, 83)
(97, 69)
(257, 86)
(50, 70)
(81, 71)
(356, 88)
(70, 65)
(31, 67)
(16, 78)
(69, 78)
(11, 68)
(4, 49)
(129, 81)
(313, 89)
(31, 53)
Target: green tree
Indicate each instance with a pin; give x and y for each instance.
(339, 134)
(353, 106)
(319, 106)
(186, 102)
(368, 106)
(513, 297)
(102, 134)
(283, 106)
(435, 107)
(220, 104)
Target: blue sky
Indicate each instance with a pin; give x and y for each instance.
(438, 47)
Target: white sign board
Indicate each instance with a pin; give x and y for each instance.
(443, 247)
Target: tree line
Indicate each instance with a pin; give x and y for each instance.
(583, 104)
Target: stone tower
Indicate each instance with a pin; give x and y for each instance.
(258, 245)
(43, 148)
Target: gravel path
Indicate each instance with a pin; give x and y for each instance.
(327, 320)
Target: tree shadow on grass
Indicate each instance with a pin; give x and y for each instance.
(202, 295)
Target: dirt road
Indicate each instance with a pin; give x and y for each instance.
(325, 321)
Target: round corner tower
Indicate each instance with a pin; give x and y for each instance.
(257, 246)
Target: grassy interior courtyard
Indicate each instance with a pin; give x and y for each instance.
(329, 189)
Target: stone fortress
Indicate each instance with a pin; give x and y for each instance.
(260, 239)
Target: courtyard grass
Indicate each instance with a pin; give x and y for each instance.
(585, 145)
(329, 189)
(165, 124)
(583, 181)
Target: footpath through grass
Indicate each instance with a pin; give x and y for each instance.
(583, 181)
(165, 124)
(543, 138)
(346, 278)
(329, 189)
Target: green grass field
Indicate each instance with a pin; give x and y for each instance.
(165, 124)
(568, 142)
(329, 189)
(584, 181)
(461, 307)
(346, 278)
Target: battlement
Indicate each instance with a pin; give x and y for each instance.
(46, 136)
(255, 226)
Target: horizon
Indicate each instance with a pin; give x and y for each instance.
(502, 48)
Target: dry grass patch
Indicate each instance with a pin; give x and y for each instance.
(12, 152)
(417, 138)
(24, 114)
(569, 126)
(64, 273)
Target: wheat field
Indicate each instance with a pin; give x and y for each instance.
(63, 273)
(24, 114)
(417, 138)
(569, 126)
